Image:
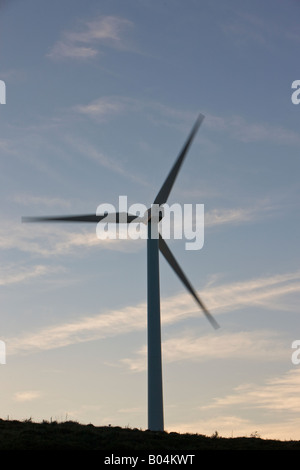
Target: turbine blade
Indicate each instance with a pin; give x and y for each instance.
(165, 190)
(113, 217)
(173, 263)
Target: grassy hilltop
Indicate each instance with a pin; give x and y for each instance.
(27, 435)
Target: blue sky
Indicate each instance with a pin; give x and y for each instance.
(100, 97)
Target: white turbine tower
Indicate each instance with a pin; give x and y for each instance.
(155, 243)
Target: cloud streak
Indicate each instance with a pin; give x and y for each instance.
(84, 43)
(233, 296)
(238, 215)
(47, 240)
(102, 108)
(243, 345)
(268, 395)
(26, 199)
(237, 127)
(247, 132)
(89, 151)
(17, 274)
(28, 395)
(52, 239)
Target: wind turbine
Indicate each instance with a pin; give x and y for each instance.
(155, 243)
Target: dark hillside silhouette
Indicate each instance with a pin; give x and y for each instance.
(69, 435)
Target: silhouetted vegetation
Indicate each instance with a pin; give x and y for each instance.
(69, 435)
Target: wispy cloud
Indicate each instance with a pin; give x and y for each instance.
(7, 146)
(259, 291)
(84, 43)
(249, 29)
(233, 296)
(229, 216)
(282, 426)
(107, 106)
(102, 107)
(244, 345)
(240, 215)
(17, 274)
(52, 239)
(279, 394)
(85, 329)
(66, 50)
(237, 127)
(87, 150)
(28, 395)
(241, 130)
(47, 240)
(273, 406)
(26, 199)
